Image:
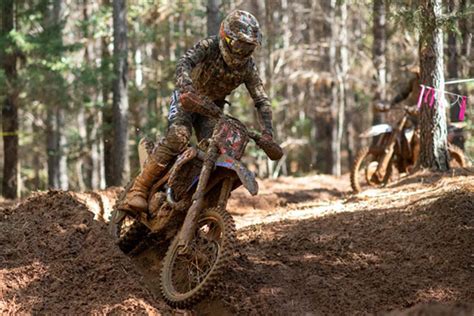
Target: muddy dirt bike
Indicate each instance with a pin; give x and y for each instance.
(188, 204)
(396, 149)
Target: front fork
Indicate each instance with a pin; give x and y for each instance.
(389, 149)
(187, 230)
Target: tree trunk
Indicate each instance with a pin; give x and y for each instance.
(62, 145)
(55, 138)
(52, 148)
(378, 54)
(37, 161)
(120, 96)
(95, 155)
(465, 26)
(89, 116)
(434, 152)
(335, 100)
(10, 108)
(82, 167)
(341, 72)
(452, 66)
(107, 115)
(56, 144)
(213, 20)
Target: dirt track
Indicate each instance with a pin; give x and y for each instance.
(319, 251)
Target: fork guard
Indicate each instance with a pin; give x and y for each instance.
(245, 176)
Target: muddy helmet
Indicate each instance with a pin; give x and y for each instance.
(239, 35)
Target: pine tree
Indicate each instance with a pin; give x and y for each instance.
(434, 152)
(120, 96)
(8, 59)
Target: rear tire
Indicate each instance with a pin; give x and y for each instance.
(132, 237)
(127, 232)
(186, 278)
(457, 156)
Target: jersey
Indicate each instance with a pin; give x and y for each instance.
(203, 68)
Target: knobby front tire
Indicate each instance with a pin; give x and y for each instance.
(186, 278)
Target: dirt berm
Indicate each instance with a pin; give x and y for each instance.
(56, 259)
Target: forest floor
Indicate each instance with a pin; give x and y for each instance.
(306, 246)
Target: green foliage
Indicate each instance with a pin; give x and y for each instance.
(410, 14)
(55, 70)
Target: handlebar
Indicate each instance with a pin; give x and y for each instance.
(385, 107)
(192, 102)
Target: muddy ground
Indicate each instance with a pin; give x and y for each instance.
(306, 246)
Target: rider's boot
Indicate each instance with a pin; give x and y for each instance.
(136, 198)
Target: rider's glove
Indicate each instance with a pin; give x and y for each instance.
(267, 136)
(412, 110)
(382, 107)
(272, 149)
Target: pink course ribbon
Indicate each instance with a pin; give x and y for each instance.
(433, 93)
(428, 96)
(463, 108)
(428, 90)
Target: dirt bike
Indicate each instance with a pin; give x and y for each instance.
(395, 148)
(188, 204)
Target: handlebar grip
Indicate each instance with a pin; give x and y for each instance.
(272, 149)
(382, 107)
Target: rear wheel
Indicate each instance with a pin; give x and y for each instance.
(364, 169)
(458, 159)
(188, 276)
(131, 233)
(127, 231)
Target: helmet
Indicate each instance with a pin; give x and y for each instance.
(239, 35)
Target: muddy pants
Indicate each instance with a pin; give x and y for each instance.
(180, 125)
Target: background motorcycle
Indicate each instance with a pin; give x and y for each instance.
(188, 205)
(396, 147)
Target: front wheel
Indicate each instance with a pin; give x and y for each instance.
(364, 171)
(188, 276)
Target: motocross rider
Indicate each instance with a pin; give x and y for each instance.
(408, 94)
(210, 70)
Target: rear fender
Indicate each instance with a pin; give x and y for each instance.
(245, 176)
(376, 130)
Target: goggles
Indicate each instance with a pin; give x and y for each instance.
(240, 48)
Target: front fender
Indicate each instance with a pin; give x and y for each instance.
(246, 176)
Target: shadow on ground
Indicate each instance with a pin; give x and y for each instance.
(362, 262)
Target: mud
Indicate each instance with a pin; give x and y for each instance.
(378, 260)
(305, 247)
(55, 258)
(287, 193)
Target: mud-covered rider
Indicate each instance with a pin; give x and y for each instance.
(211, 69)
(408, 94)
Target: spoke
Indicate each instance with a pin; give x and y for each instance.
(193, 266)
